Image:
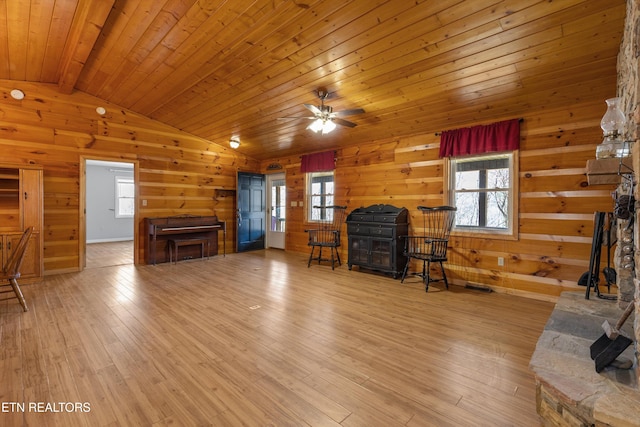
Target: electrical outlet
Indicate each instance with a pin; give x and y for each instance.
(501, 261)
(144, 202)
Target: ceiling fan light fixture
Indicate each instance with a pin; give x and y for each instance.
(324, 119)
(322, 126)
(234, 143)
(328, 126)
(315, 125)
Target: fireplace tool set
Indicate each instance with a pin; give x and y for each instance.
(605, 350)
(602, 222)
(612, 343)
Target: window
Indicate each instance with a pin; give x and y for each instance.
(278, 204)
(125, 197)
(319, 193)
(482, 188)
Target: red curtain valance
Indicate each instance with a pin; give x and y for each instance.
(500, 136)
(318, 162)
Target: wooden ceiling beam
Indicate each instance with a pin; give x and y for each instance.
(88, 21)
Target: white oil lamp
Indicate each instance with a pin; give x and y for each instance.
(613, 124)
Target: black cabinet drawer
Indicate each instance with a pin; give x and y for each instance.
(360, 218)
(386, 218)
(358, 229)
(381, 231)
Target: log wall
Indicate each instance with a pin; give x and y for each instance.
(179, 173)
(556, 204)
(176, 173)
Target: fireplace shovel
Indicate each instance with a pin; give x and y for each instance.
(611, 344)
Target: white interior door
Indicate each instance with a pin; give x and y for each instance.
(277, 202)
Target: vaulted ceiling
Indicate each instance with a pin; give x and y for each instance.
(223, 68)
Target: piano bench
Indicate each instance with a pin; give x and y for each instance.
(174, 244)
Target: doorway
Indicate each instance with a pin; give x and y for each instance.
(109, 213)
(251, 211)
(277, 202)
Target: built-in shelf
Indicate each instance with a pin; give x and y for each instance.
(608, 171)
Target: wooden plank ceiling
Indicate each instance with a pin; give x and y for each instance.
(222, 68)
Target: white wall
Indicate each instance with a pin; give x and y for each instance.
(102, 224)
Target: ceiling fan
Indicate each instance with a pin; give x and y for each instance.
(324, 118)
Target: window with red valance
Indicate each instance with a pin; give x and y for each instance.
(481, 180)
(481, 139)
(318, 169)
(318, 162)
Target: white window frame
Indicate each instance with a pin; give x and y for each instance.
(118, 197)
(319, 199)
(511, 231)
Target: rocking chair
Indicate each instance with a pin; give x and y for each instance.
(431, 245)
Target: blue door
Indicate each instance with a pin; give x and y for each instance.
(251, 211)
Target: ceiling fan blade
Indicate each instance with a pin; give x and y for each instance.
(313, 109)
(348, 112)
(343, 122)
(297, 117)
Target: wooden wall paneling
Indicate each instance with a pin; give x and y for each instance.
(558, 226)
(422, 153)
(555, 207)
(565, 204)
(571, 178)
(559, 158)
(178, 173)
(563, 249)
(25, 133)
(555, 137)
(161, 190)
(521, 263)
(155, 133)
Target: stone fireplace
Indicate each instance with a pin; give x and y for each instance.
(569, 392)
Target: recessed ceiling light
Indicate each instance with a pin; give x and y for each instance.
(101, 110)
(17, 94)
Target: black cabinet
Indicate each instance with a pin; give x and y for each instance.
(375, 238)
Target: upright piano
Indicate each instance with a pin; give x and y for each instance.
(160, 230)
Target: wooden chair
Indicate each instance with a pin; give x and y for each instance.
(327, 234)
(11, 271)
(431, 244)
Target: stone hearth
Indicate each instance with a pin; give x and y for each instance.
(569, 391)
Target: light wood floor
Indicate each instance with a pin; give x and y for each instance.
(259, 339)
(109, 253)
